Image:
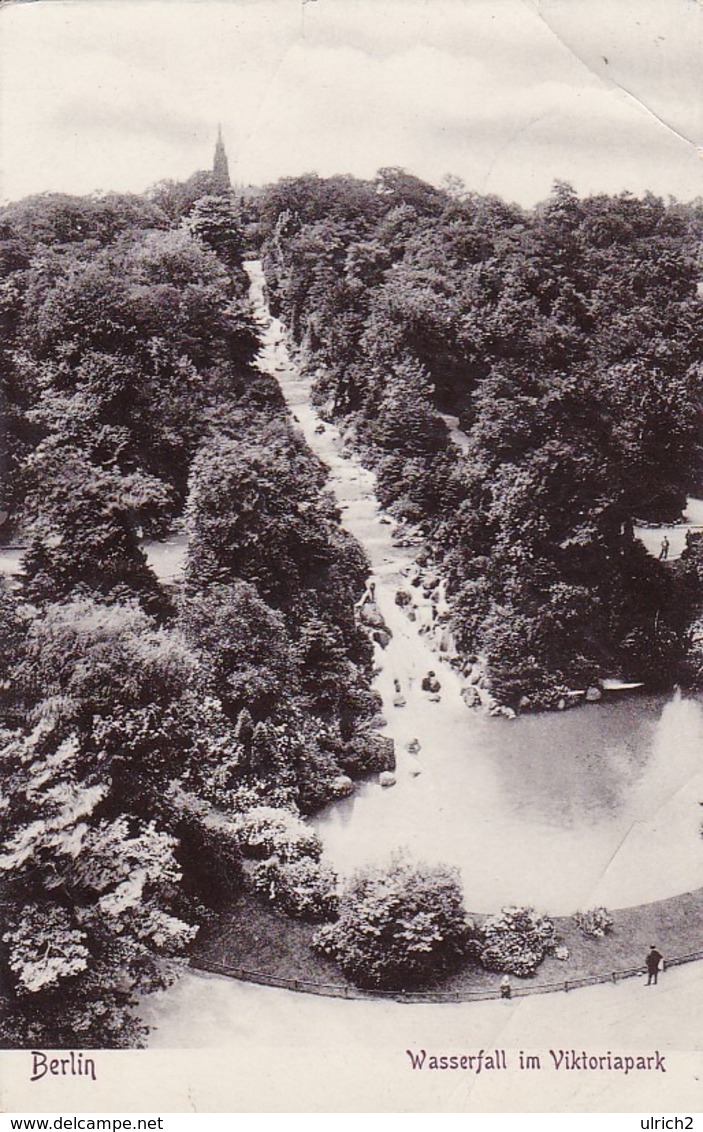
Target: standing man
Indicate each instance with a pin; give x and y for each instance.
(664, 552)
(654, 962)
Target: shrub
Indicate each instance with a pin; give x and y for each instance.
(266, 831)
(367, 752)
(594, 923)
(304, 888)
(516, 940)
(400, 925)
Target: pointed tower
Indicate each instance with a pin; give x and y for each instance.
(220, 166)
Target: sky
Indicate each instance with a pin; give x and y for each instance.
(510, 95)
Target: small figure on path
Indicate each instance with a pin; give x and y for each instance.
(414, 747)
(398, 699)
(664, 552)
(506, 990)
(655, 964)
(430, 683)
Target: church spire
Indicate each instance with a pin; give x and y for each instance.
(220, 165)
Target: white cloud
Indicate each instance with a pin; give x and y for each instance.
(105, 94)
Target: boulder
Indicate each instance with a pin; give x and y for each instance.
(385, 778)
(470, 696)
(382, 637)
(593, 694)
(342, 786)
(371, 615)
(500, 709)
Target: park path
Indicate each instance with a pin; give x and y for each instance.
(245, 1046)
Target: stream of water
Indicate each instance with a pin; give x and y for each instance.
(599, 805)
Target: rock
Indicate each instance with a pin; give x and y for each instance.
(446, 642)
(382, 637)
(525, 703)
(414, 746)
(385, 778)
(561, 706)
(500, 709)
(414, 771)
(470, 696)
(402, 598)
(593, 694)
(474, 675)
(371, 615)
(342, 785)
(385, 521)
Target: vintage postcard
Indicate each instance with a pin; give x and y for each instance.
(351, 556)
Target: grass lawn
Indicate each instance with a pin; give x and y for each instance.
(253, 937)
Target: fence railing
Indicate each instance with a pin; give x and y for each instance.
(346, 990)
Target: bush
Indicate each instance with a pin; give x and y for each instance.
(304, 888)
(367, 753)
(594, 923)
(400, 926)
(516, 941)
(266, 831)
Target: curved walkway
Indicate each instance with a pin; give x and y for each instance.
(253, 943)
(289, 1052)
(346, 990)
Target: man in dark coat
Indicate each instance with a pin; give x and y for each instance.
(653, 962)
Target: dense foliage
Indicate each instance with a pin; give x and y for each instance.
(400, 926)
(516, 941)
(567, 340)
(158, 743)
(595, 923)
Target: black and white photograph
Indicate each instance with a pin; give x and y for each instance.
(351, 556)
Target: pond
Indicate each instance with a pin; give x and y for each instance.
(599, 805)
